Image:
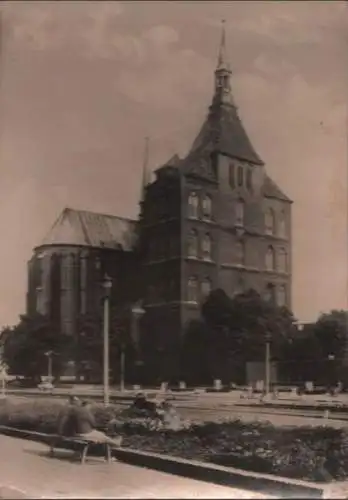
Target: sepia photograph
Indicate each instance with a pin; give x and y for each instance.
(174, 251)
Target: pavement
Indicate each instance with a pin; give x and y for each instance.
(27, 472)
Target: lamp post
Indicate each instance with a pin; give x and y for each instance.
(331, 359)
(267, 363)
(137, 311)
(49, 355)
(107, 285)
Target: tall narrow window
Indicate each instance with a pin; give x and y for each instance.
(282, 225)
(269, 221)
(269, 295)
(249, 179)
(207, 247)
(281, 296)
(192, 289)
(240, 253)
(239, 287)
(270, 259)
(240, 176)
(83, 283)
(193, 205)
(206, 288)
(193, 244)
(207, 207)
(282, 260)
(232, 180)
(240, 213)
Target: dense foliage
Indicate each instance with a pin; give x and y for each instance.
(317, 454)
(25, 347)
(236, 329)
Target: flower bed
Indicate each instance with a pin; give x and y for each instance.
(314, 454)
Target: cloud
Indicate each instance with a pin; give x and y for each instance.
(46, 25)
(161, 35)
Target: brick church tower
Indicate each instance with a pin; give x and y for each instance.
(214, 219)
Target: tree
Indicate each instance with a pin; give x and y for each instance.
(239, 327)
(91, 340)
(331, 332)
(25, 345)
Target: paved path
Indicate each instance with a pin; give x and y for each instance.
(26, 469)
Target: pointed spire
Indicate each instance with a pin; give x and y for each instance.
(146, 173)
(222, 58)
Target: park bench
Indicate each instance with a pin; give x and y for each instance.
(79, 445)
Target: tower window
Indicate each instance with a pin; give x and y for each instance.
(193, 244)
(249, 180)
(206, 287)
(207, 247)
(192, 289)
(239, 287)
(270, 259)
(269, 221)
(282, 260)
(240, 213)
(193, 205)
(281, 296)
(240, 176)
(270, 293)
(240, 253)
(231, 176)
(282, 225)
(207, 207)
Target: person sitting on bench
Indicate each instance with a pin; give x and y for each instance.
(86, 427)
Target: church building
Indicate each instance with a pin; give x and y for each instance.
(213, 219)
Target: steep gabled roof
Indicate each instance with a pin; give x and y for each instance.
(271, 190)
(84, 228)
(224, 132)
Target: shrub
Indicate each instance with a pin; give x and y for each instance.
(317, 454)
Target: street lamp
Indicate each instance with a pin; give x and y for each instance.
(49, 355)
(331, 359)
(107, 285)
(137, 311)
(267, 362)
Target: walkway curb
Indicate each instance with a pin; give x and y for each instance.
(216, 474)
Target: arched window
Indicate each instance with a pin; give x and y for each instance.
(240, 253)
(207, 207)
(192, 289)
(207, 247)
(282, 260)
(206, 287)
(193, 244)
(240, 213)
(239, 287)
(193, 205)
(270, 293)
(281, 296)
(83, 283)
(269, 221)
(240, 176)
(232, 180)
(282, 225)
(249, 179)
(270, 259)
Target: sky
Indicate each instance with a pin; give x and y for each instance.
(82, 84)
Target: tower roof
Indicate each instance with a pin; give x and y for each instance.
(223, 130)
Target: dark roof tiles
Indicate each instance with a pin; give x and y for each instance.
(85, 228)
